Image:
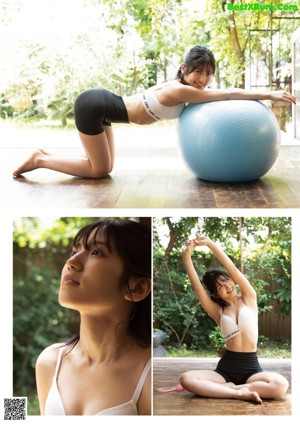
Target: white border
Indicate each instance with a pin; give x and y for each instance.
(6, 231)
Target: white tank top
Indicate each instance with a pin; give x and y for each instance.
(54, 405)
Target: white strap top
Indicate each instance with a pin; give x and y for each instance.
(158, 111)
(54, 405)
(247, 322)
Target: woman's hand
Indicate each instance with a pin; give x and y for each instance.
(282, 96)
(202, 241)
(189, 247)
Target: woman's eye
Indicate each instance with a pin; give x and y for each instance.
(73, 252)
(96, 253)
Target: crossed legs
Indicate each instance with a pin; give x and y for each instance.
(266, 385)
(98, 161)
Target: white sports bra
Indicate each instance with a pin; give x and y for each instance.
(247, 322)
(158, 111)
(54, 405)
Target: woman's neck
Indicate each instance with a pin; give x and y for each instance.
(103, 340)
(233, 302)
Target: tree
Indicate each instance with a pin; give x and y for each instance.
(264, 257)
(241, 36)
(128, 45)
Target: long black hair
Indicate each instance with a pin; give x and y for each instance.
(210, 280)
(132, 241)
(197, 58)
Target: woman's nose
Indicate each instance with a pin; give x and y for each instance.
(202, 77)
(203, 80)
(74, 263)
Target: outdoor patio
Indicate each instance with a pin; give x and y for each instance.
(149, 173)
(167, 371)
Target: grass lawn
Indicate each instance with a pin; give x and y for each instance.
(266, 348)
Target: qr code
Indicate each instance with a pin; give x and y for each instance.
(15, 408)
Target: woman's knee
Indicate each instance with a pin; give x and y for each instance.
(100, 173)
(185, 379)
(182, 379)
(280, 385)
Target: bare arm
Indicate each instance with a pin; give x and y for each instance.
(247, 291)
(44, 371)
(211, 307)
(194, 95)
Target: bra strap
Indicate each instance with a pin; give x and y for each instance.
(60, 351)
(141, 382)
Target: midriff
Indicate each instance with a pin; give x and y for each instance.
(136, 111)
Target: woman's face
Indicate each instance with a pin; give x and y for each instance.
(91, 277)
(226, 288)
(199, 78)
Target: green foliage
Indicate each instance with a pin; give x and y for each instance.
(279, 349)
(265, 257)
(185, 352)
(216, 339)
(179, 314)
(241, 37)
(33, 405)
(41, 247)
(126, 46)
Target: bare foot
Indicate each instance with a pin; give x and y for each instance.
(246, 394)
(33, 162)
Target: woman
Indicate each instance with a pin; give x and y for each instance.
(238, 374)
(95, 109)
(105, 370)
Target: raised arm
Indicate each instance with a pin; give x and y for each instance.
(247, 291)
(211, 307)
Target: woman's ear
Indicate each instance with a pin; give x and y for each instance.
(183, 68)
(139, 288)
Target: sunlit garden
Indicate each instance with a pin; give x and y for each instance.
(53, 50)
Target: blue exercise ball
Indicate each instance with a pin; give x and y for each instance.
(229, 141)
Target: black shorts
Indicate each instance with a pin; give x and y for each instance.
(97, 107)
(237, 367)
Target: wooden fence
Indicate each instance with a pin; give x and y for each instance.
(274, 325)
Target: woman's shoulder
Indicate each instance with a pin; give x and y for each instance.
(249, 301)
(166, 84)
(47, 359)
(180, 92)
(171, 91)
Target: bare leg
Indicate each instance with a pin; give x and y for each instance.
(98, 162)
(269, 385)
(111, 144)
(213, 385)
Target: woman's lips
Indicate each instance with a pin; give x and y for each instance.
(69, 281)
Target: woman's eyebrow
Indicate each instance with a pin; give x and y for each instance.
(96, 243)
(89, 245)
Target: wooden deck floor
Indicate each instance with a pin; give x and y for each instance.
(146, 176)
(167, 371)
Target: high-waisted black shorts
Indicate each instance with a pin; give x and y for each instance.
(97, 107)
(237, 367)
